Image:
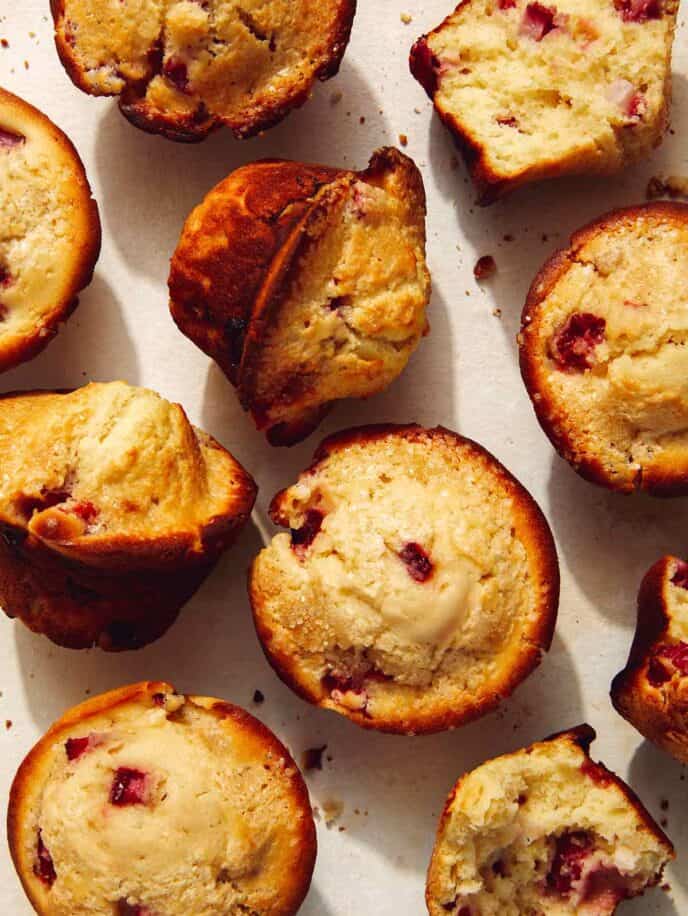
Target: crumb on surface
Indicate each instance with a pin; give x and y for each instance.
(8, 724)
(406, 18)
(670, 186)
(485, 267)
(311, 759)
(336, 97)
(4, 43)
(332, 810)
(258, 697)
(403, 139)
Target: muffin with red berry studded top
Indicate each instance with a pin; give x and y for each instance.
(544, 830)
(652, 690)
(306, 284)
(534, 90)
(603, 350)
(144, 802)
(417, 587)
(113, 510)
(183, 68)
(49, 230)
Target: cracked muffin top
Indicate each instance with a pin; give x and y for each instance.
(535, 90)
(113, 471)
(418, 584)
(652, 690)
(143, 802)
(49, 230)
(185, 67)
(603, 349)
(544, 830)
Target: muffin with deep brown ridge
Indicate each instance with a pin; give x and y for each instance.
(544, 830)
(306, 284)
(535, 90)
(417, 585)
(603, 349)
(144, 802)
(652, 690)
(49, 230)
(183, 68)
(113, 510)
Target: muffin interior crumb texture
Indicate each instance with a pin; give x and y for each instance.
(353, 310)
(410, 591)
(221, 61)
(543, 831)
(604, 349)
(48, 226)
(163, 804)
(537, 89)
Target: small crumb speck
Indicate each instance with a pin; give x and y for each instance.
(311, 759)
(4, 43)
(361, 120)
(258, 697)
(332, 809)
(403, 139)
(336, 98)
(406, 18)
(485, 267)
(8, 724)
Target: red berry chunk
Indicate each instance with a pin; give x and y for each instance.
(680, 577)
(5, 277)
(76, 747)
(597, 773)
(425, 66)
(570, 852)
(573, 345)
(507, 4)
(638, 10)
(129, 787)
(417, 562)
(9, 139)
(538, 21)
(132, 909)
(177, 73)
(43, 867)
(303, 537)
(677, 655)
(85, 510)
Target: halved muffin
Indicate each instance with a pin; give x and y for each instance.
(113, 510)
(543, 830)
(652, 690)
(538, 90)
(183, 68)
(49, 230)
(418, 585)
(142, 801)
(603, 349)
(306, 284)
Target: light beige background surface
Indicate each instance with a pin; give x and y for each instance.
(465, 375)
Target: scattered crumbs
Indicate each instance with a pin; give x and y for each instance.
(336, 98)
(418, 110)
(32, 34)
(8, 724)
(508, 237)
(664, 822)
(361, 120)
(311, 759)
(498, 314)
(485, 267)
(26, 65)
(666, 887)
(87, 691)
(332, 809)
(664, 804)
(671, 186)
(403, 139)
(342, 829)
(258, 697)
(406, 18)
(4, 43)
(468, 292)
(544, 237)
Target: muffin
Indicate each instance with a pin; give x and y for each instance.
(417, 586)
(182, 68)
(543, 830)
(305, 284)
(142, 801)
(602, 350)
(113, 510)
(49, 230)
(652, 690)
(537, 90)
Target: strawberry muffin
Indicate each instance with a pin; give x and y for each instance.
(144, 802)
(544, 830)
(113, 510)
(652, 690)
(417, 585)
(306, 284)
(49, 230)
(537, 90)
(603, 350)
(183, 68)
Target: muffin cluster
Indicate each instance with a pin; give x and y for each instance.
(411, 584)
